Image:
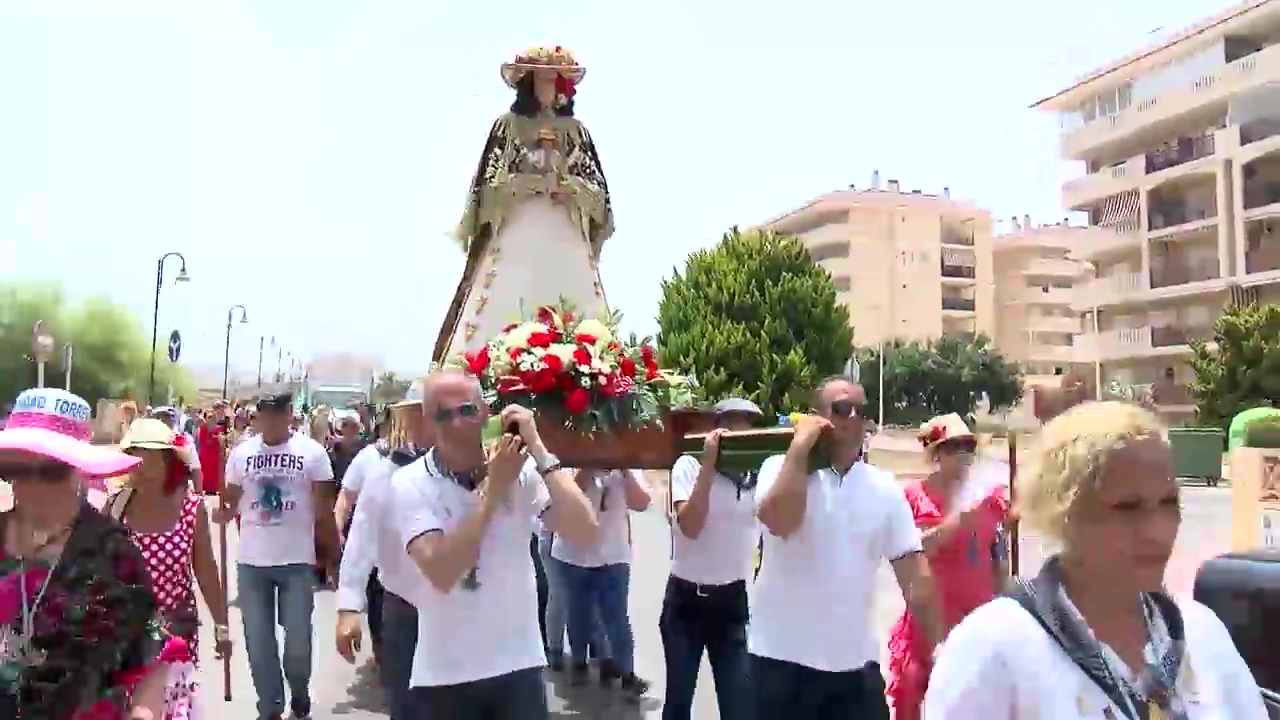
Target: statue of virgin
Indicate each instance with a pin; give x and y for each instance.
(538, 211)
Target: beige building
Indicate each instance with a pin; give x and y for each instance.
(1036, 324)
(907, 264)
(1180, 146)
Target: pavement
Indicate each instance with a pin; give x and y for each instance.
(341, 691)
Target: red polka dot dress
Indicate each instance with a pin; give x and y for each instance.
(170, 560)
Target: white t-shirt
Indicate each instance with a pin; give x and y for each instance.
(369, 461)
(723, 551)
(491, 630)
(999, 663)
(813, 601)
(278, 517)
(614, 544)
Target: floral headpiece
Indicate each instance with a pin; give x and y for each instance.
(943, 428)
(571, 73)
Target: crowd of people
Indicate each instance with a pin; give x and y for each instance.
(472, 565)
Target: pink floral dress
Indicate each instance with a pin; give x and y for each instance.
(170, 561)
(964, 571)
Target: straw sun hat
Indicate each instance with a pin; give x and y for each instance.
(941, 429)
(542, 57)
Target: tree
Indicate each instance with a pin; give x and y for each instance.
(754, 317)
(1243, 370)
(950, 374)
(110, 358)
(389, 388)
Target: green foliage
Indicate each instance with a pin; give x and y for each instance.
(390, 388)
(950, 374)
(754, 317)
(1243, 370)
(1263, 433)
(109, 358)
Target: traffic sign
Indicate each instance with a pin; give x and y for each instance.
(175, 346)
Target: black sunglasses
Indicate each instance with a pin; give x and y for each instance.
(466, 411)
(42, 472)
(959, 445)
(846, 409)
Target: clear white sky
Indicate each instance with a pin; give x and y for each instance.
(300, 149)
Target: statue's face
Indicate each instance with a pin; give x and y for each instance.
(544, 85)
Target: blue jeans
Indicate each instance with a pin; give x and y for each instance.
(284, 593)
(712, 618)
(600, 592)
(557, 614)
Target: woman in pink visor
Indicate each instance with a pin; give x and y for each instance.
(79, 638)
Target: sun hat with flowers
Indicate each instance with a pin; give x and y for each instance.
(542, 57)
(943, 428)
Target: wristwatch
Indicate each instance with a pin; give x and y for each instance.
(547, 464)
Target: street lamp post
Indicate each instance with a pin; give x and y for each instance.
(155, 313)
(41, 349)
(226, 355)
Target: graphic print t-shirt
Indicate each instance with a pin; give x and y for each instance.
(277, 514)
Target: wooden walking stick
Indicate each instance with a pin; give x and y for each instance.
(223, 563)
(1013, 518)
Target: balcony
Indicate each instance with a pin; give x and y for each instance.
(1104, 183)
(1181, 152)
(1173, 214)
(1047, 295)
(1176, 336)
(951, 236)
(957, 272)
(1053, 324)
(1261, 194)
(960, 304)
(1098, 242)
(1171, 273)
(1110, 289)
(1115, 344)
(1053, 267)
(1215, 86)
(1264, 259)
(1044, 353)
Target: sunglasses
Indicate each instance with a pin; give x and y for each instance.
(846, 409)
(466, 411)
(42, 472)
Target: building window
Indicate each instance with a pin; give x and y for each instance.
(829, 251)
(841, 283)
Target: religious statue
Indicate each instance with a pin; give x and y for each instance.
(538, 211)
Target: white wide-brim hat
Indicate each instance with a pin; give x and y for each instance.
(942, 429)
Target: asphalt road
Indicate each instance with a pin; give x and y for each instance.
(342, 691)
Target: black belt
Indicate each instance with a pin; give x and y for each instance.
(706, 590)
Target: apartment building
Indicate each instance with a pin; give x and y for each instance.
(1180, 147)
(1035, 276)
(907, 264)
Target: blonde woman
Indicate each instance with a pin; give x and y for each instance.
(1095, 634)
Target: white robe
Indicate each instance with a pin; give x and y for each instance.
(537, 257)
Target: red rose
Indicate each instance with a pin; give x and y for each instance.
(585, 339)
(568, 382)
(564, 86)
(553, 362)
(646, 353)
(514, 354)
(543, 381)
(651, 372)
(478, 362)
(582, 357)
(627, 367)
(577, 401)
(539, 339)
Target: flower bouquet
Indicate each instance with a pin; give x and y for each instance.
(601, 401)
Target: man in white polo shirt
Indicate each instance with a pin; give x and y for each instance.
(376, 577)
(465, 520)
(814, 651)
